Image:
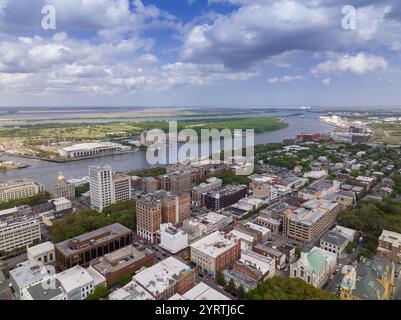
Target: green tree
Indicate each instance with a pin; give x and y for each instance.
(298, 251)
(100, 292)
(85, 221)
(221, 281)
(124, 279)
(241, 292)
(350, 246)
(32, 201)
(279, 288)
(231, 286)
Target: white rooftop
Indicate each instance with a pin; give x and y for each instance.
(41, 248)
(131, 291)
(242, 236)
(162, 275)
(90, 146)
(257, 227)
(73, 278)
(203, 292)
(60, 201)
(393, 237)
(215, 243)
(258, 261)
(28, 272)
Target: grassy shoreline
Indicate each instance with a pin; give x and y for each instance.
(38, 134)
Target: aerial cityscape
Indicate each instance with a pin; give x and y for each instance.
(200, 151)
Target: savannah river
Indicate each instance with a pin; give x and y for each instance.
(47, 172)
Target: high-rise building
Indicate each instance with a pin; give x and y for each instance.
(215, 252)
(175, 208)
(121, 187)
(148, 217)
(219, 199)
(63, 188)
(19, 189)
(150, 184)
(19, 232)
(210, 185)
(311, 221)
(181, 181)
(101, 186)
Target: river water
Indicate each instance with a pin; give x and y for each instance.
(47, 172)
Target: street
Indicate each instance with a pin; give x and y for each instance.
(332, 284)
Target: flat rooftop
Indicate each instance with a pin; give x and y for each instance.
(229, 189)
(317, 186)
(92, 239)
(120, 259)
(91, 146)
(389, 236)
(215, 244)
(162, 275)
(41, 292)
(41, 248)
(204, 292)
(335, 238)
(131, 291)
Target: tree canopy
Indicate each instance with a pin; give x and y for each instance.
(85, 221)
(279, 288)
(371, 218)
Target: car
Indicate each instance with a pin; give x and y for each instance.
(286, 269)
(331, 277)
(200, 275)
(220, 287)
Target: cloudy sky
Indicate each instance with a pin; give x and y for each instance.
(201, 52)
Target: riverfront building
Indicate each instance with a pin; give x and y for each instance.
(91, 149)
(19, 189)
(101, 187)
(19, 232)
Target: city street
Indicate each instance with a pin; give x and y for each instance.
(332, 284)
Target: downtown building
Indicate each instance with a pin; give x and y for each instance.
(389, 246)
(107, 188)
(18, 232)
(121, 187)
(20, 189)
(180, 181)
(159, 282)
(63, 189)
(148, 217)
(210, 185)
(220, 199)
(310, 222)
(215, 252)
(160, 207)
(83, 249)
(101, 186)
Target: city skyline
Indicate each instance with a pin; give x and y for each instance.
(201, 53)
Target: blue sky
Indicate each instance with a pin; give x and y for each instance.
(274, 53)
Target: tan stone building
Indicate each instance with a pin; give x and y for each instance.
(390, 246)
(63, 189)
(310, 222)
(148, 217)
